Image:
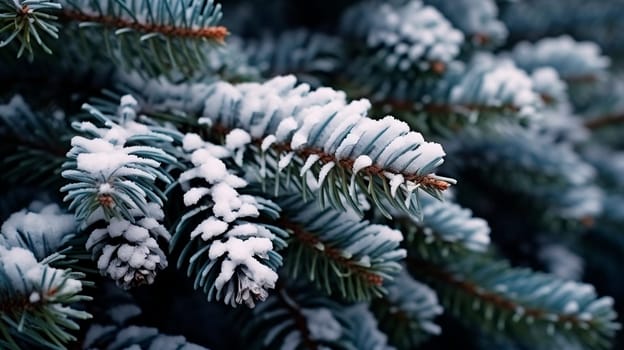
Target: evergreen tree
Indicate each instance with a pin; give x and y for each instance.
(311, 174)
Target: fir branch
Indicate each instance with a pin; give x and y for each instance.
(312, 242)
(155, 37)
(447, 230)
(312, 57)
(575, 61)
(386, 36)
(105, 164)
(288, 135)
(338, 251)
(30, 138)
(35, 301)
(116, 173)
(527, 305)
(478, 21)
(43, 229)
(300, 320)
(224, 242)
(428, 181)
(296, 317)
(557, 180)
(406, 313)
(216, 33)
(24, 19)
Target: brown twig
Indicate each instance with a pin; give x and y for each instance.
(217, 33)
(474, 290)
(599, 122)
(373, 170)
(310, 240)
(19, 303)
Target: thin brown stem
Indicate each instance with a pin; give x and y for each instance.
(12, 305)
(600, 122)
(310, 240)
(497, 300)
(347, 163)
(216, 33)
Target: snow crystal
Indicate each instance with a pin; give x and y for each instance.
(138, 257)
(396, 180)
(105, 257)
(285, 160)
(209, 229)
(236, 139)
(235, 181)
(192, 142)
(117, 226)
(309, 163)
(388, 234)
(361, 162)
(125, 252)
(226, 201)
(324, 172)
(267, 142)
(244, 230)
(105, 188)
(285, 128)
(210, 168)
(136, 234)
(194, 195)
(105, 162)
(128, 100)
(571, 307)
(34, 297)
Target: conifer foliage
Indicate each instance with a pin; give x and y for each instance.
(354, 174)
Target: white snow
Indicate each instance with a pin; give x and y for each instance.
(324, 172)
(128, 101)
(34, 297)
(236, 139)
(191, 142)
(293, 114)
(360, 163)
(105, 188)
(387, 234)
(212, 169)
(46, 228)
(285, 160)
(267, 142)
(26, 274)
(136, 234)
(14, 261)
(285, 128)
(194, 195)
(238, 253)
(125, 252)
(396, 180)
(308, 164)
(209, 228)
(569, 57)
(108, 160)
